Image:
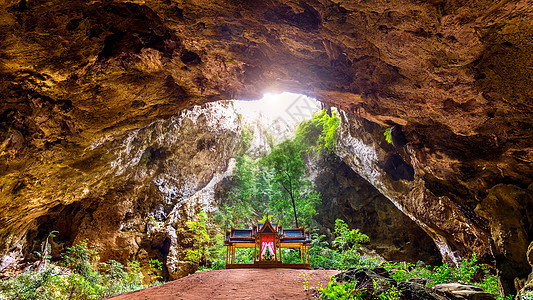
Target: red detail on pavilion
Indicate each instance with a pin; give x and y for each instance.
(268, 239)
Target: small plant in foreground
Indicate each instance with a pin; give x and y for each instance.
(82, 259)
(338, 291)
(81, 277)
(303, 278)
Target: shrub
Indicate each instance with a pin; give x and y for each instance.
(202, 240)
(388, 135)
(338, 291)
(85, 278)
(344, 254)
(359, 291)
(75, 286)
(348, 239)
(28, 285)
(83, 260)
(436, 275)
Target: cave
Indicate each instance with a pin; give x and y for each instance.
(102, 105)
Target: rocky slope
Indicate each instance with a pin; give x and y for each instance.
(454, 74)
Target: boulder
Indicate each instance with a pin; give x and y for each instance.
(527, 289)
(460, 291)
(415, 291)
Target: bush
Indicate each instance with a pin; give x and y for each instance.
(83, 260)
(446, 273)
(359, 291)
(82, 278)
(29, 285)
(338, 291)
(200, 252)
(344, 254)
(436, 275)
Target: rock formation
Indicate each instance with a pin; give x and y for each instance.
(348, 196)
(452, 77)
(525, 287)
(133, 193)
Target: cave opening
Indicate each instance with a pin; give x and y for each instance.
(344, 194)
(218, 160)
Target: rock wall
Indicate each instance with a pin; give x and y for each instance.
(497, 227)
(348, 196)
(134, 192)
(526, 286)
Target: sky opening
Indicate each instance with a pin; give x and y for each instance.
(285, 108)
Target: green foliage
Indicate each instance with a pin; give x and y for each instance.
(83, 260)
(46, 248)
(200, 251)
(348, 239)
(246, 138)
(152, 221)
(341, 291)
(290, 256)
(320, 132)
(237, 210)
(87, 278)
(385, 291)
(28, 285)
(276, 185)
(446, 273)
(436, 275)
(289, 170)
(527, 295)
(303, 278)
(75, 286)
(217, 254)
(121, 279)
(388, 135)
(489, 283)
(344, 253)
(322, 256)
(358, 291)
(244, 256)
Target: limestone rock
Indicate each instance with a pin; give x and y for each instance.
(507, 209)
(463, 291)
(527, 284)
(529, 254)
(416, 291)
(350, 197)
(139, 188)
(362, 146)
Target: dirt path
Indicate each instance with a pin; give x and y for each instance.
(236, 284)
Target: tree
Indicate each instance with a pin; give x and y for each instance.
(289, 173)
(277, 183)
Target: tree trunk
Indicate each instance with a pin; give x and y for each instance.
(294, 207)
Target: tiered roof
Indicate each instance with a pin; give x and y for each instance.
(289, 235)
